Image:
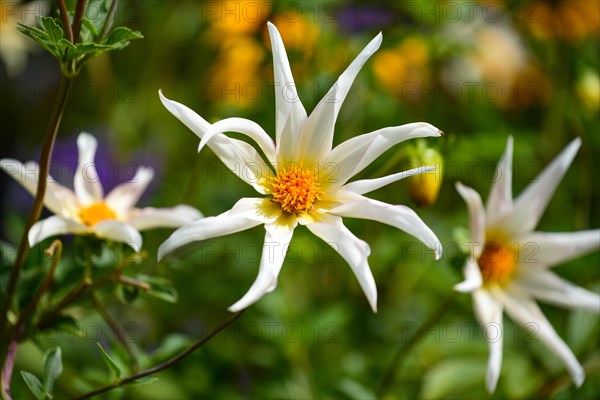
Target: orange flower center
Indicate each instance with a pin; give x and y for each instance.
(96, 213)
(295, 188)
(497, 262)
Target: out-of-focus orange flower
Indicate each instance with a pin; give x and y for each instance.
(239, 17)
(569, 20)
(407, 63)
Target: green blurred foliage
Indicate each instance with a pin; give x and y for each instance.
(315, 336)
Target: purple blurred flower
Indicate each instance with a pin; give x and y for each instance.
(353, 18)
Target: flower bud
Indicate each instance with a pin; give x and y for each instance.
(424, 188)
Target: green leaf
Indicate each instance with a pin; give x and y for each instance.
(160, 288)
(52, 29)
(127, 293)
(109, 362)
(34, 384)
(450, 378)
(52, 368)
(142, 381)
(120, 37)
(41, 38)
(88, 33)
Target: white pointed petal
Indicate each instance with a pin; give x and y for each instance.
(288, 107)
(489, 313)
(276, 244)
(52, 226)
(125, 196)
(87, 181)
(499, 202)
(118, 231)
(398, 216)
(58, 199)
(240, 157)
(245, 214)
(545, 285)
(476, 217)
(246, 127)
(355, 154)
(316, 135)
(524, 310)
(355, 251)
(149, 217)
(473, 279)
(550, 249)
(531, 203)
(368, 185)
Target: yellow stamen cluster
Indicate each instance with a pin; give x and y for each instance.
(497, 262)
(96, 213)
(295, 189)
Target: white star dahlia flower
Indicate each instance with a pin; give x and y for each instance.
(509, 265)
(303, 180)
(86, 211)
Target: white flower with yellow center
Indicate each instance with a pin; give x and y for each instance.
(509, 265)
(303, 180)
(86, 211)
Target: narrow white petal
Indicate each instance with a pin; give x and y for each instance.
(240, 157)
(58, 199)
(245, 214)
(355, 154)
(149, 217)
(524, 310)
(246, 127)
(545, 285)
(316, 135)
(52, 226)
(368, 185)
(489, 313)
(531, 203)
(288, 107)
(398, 216)
(550, 249)
(118, 231)
(476, 217)
(275, 247)
(87, 181)
(355, 251)
(125, 196)
(499, 202)
(473, 279)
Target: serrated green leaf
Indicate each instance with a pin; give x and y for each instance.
(52, 28)
(142, 381)
(52, 368)
(83, 49)
(109, 362)
(41, 38)
(120, 37)
(34, 384)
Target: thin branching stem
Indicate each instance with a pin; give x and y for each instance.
(167, 364)
(109, 20)
(79, 11)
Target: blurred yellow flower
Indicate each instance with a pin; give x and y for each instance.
(407, 63)
(239, 17)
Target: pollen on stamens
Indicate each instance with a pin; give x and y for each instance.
(497, 262)
(95, 213)
(295, 188)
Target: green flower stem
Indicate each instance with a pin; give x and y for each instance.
(64, 16)
(48, 144)
(114, 326)
(167, 364)
(54, 251)
(109, 19)
(72, 296)
(391, 374)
